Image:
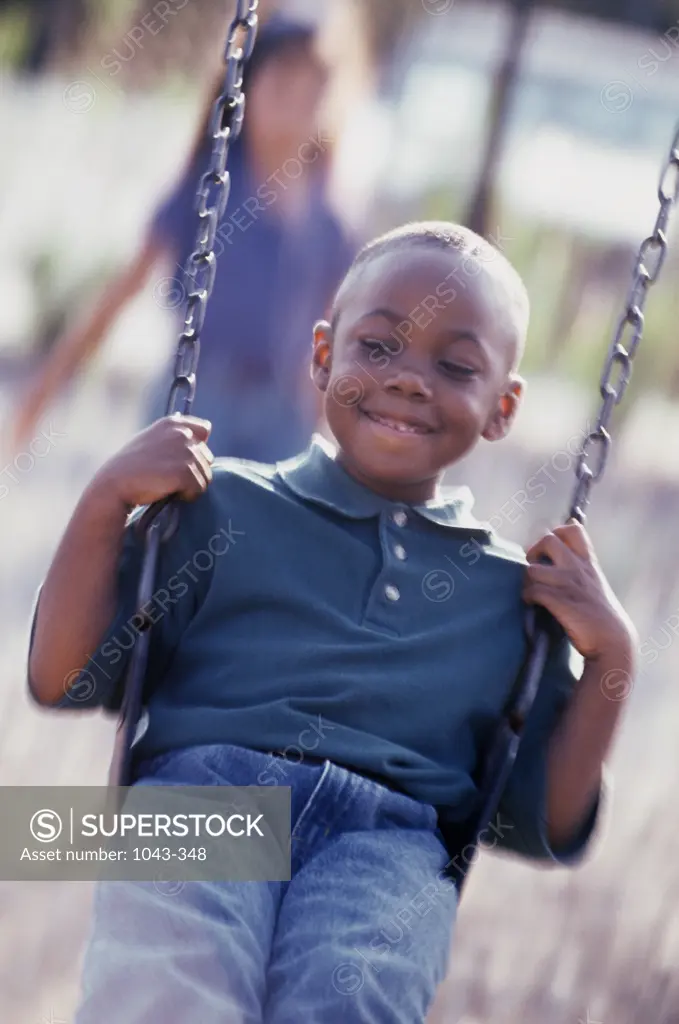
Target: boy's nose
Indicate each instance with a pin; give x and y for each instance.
(409, 384)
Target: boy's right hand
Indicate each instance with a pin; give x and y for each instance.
(169, 457)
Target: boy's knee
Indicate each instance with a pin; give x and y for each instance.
(405, 917)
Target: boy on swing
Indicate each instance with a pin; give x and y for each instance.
(361, 613)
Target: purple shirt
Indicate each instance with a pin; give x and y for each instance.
(274, 279)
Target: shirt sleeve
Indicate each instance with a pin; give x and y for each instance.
(184, 573)
(521, 826)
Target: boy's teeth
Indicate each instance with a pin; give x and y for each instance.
(401, 427)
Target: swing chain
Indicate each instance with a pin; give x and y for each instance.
(618, 366)
(213, 192)
(159, 520)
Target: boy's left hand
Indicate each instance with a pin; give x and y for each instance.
(576, 592)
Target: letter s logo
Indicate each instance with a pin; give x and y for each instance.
(46, 826)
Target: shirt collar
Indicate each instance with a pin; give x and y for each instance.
(316, 476)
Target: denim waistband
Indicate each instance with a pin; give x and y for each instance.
(373, 776)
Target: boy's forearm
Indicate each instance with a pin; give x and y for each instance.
(582, 741)
(78, 597)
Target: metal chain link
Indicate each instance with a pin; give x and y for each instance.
(159, 520)
(614, 380)
(213, 192)
(618, 366)
(226, 121)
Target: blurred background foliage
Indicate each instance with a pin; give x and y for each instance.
(580, 278)
(36, 34)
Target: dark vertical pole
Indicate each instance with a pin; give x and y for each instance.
(506, 80)
(54, 25)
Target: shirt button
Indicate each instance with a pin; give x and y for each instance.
(392, 592)
(399, 517)
(400, 552)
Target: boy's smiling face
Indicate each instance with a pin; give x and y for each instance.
(419, 367)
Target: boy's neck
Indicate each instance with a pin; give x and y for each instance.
(406, 492)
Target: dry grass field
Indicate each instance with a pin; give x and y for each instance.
(599, 944)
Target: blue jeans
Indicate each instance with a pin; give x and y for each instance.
(360, 934)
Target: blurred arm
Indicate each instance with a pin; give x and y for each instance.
(76, 346)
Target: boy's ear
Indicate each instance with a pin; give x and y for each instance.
(322, 354)
(500, 423)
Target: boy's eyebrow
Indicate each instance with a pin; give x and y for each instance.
(388, 314)
(462, 335)
(451, 333)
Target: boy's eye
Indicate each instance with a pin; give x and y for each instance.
(375, 345)
(458, 369)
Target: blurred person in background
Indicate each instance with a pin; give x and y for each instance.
(281, 252)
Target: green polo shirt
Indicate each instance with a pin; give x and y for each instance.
(297, 610)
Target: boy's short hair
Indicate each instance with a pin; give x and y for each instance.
(450, 236)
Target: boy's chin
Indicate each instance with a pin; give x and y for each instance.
(394, 468)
